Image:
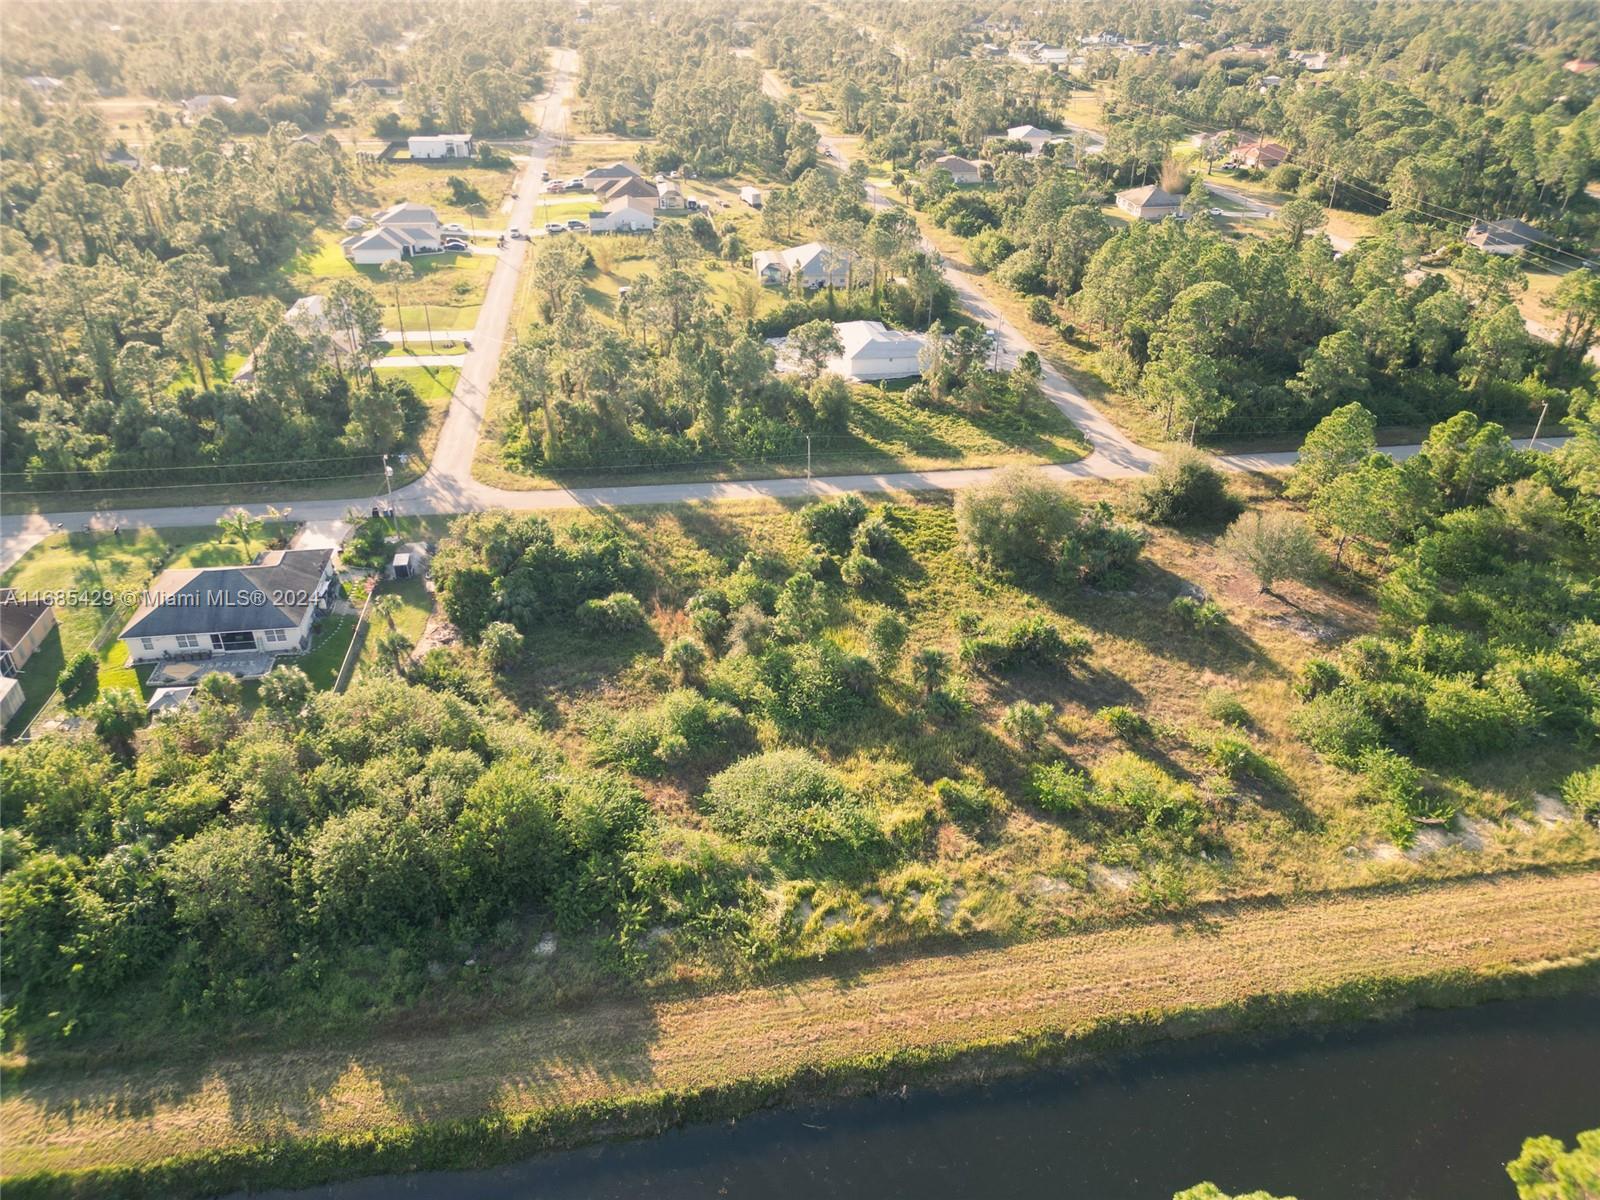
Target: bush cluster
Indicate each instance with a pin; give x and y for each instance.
(1030, 642)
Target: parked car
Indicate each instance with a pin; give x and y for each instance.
(555, 227)
(454, 244)
(544, 174)
(453, 227)
(574, 185)
(577, 226)
(692, 205)
(516, 233)
(1213, 212)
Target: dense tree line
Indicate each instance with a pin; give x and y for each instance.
(672, 76)
(683, 379)
(125, 287)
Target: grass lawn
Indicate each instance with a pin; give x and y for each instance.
(416, 605)
(88, 565)
(332, 639)
(414, 348)
(451, 284)
(222, 369)
(426, 183)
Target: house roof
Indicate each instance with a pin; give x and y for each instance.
(955, 160)
(18, 617)
(629, 204)
(872, 337)
(406, 213)
(207, 102)
(274, 592)
(1022, 133)
(627, 185)
(168, 699)
(1150, 196)
(1507, 232)
(616, 170)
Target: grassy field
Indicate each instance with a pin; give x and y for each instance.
(1196, 976)
(451, 284)
(102, 566)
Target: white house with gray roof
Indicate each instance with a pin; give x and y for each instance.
(818, 265)
(402, 230)
(267, 607)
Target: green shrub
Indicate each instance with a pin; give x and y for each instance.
(801, 609)
(1016, 522)
(1125, 723)
(1059, 789)
(685, 656)
(1028, 724)
(1041, 312)
(1032, 642)
(1159, 803)
(861, 571)
(1581, 791)
(1337, 726)
(1184, 488)
(967, 622)
(970, 805)
(886, 637)
(815, 687)
(1462, 721)
(500, 645)
(799, 810)
(619, 612)
(1317, 678)
(683, 729)
(1198, 614)
(708, 612)
(1099, 549)
(1222, 705)
(748, 630)
(832, 523)
(81, 670)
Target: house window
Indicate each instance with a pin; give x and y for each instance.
(188, 641)
(277, 635)
(238, 640)
(147, 643)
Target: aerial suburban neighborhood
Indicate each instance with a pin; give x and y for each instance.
(800, 599)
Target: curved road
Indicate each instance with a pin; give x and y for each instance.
(448, 486)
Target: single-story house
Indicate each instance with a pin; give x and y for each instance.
(400, 231)
(1257, 155)
(1311, 60)
(1052, 56)
(593, 178)
(751, 196)
(24, 624)
(1149, 203)
(1268, 82)
(267, 607)
(669, 196)
(962, 170)
(308, 317)
(1037, 139)
(1105, 37)
(629, 187)
(1509, 236)
(628, 215)
(384, 87)
(11, 699)
(868, 352)
(873, 352)
(199, 106)
(440, 145)
(817, 264)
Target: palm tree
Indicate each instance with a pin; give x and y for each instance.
(386, 607)
(238, 525)
(397, 272)
(930, 668)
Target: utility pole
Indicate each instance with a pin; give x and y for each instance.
(388, 484)
(808, 458)
(1538, 425)
(428, 321)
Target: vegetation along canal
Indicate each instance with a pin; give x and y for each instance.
(1427, 1107)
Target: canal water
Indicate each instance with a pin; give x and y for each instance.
(1427, 1107)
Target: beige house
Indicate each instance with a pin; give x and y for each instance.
(624, 216)
(1149, 203)
(24, 624)
(816, 264)
(962, 170)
